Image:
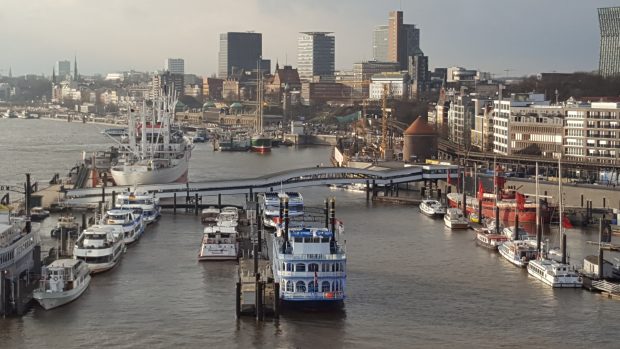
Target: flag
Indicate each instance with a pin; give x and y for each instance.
(566, 224)
(316, 280)
(520, 201)
(480, 189)
(448, 176)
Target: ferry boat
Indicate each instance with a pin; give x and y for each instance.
(219, 243)
(38, 214)
(62, 281)
(155, 153)
(16, 257)
(129, 220)
(101, 247)
(209, 215)
(519, 252)
(554, 274)
(454, 219)
(67, 224)
(146, 202)
(310, 265)
(261, 143)
(491, 241)
(270, 206)
(432, 208)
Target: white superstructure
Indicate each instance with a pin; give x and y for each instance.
(100, 246)
(62, 281)
(219, 243)
(130, 221)
(553, 273)
(454, 219)
(432, 208)
(148, 203)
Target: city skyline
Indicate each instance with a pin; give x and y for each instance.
(522, 41)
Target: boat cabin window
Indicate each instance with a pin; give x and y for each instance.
(313, 267)
(324, 267)
(312, 287)
(300, 286)
(289, 266)
(289, 286)
(300, 267)
(325, 286)
(299, 239)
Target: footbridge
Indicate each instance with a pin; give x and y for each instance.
(297, 178)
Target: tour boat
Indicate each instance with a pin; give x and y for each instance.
(270, 206)
(130, 219)
(155, 153)
(62, 281)
(310, 266)
(519, 252)
(219, 243)
(37, 214)
(68, 224)
(491, 241)
(454, 219)
(209, 215)
(146, 202)
(260, 143)
(553, 273)
(101, 247)
(432, 208)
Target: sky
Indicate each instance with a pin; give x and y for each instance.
(518, 37)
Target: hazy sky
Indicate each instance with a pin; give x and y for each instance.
(525, 36)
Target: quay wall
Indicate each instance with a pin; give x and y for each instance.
(330, 140)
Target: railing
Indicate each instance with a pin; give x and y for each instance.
(310, 274)
(333, 295)
(316, 257)
(606, 286)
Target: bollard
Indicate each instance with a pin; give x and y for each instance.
(174, 204)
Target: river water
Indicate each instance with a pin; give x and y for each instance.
(411, 282)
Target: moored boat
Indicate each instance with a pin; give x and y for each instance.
(66, 224)
(130, 221)
(147, 203)
(101, 247)
(432, 208)
(219, 243)
(209, 215)
(454, 219)
(490, 241)
(62, 281)
(519, 252)
(37, 214)
(554, 274)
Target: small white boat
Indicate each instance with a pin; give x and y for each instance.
(209, 215)
(100, 246)
(454, 219)
(519, 252)
(62, 281)
(554, 274)
(219, 243)
(490, 240)
(227, 219)
(432, 208)
(38, 214)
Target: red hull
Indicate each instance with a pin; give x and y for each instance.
(507, 214)
(261, 150)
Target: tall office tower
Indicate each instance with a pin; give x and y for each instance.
(175, 65)
(380, 43)
(316, 55)
(609, 21)
(403, 40)
(241, 51)
(63, 69)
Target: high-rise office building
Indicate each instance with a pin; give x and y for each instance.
(609, 22)
(403, 40)
(241, 51)
(316, 55)
(380, 43)
(175, 65)
(63, 69)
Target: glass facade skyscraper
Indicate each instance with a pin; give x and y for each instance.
(380, 43)
(315, 54)
(239, 51)
(609, 21)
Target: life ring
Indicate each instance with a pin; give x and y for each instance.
(55, 278)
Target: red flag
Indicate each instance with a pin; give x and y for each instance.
(566, 223)
(480, 189)
(520, 201)
(448, 176)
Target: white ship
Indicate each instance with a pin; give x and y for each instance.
(454, 219)
(219, 243)
(553, 273)
(154, 154)
(62, 282)
(148, 203)
(101, 247)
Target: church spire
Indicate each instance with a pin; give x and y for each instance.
(75, 69)
(277, 65)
